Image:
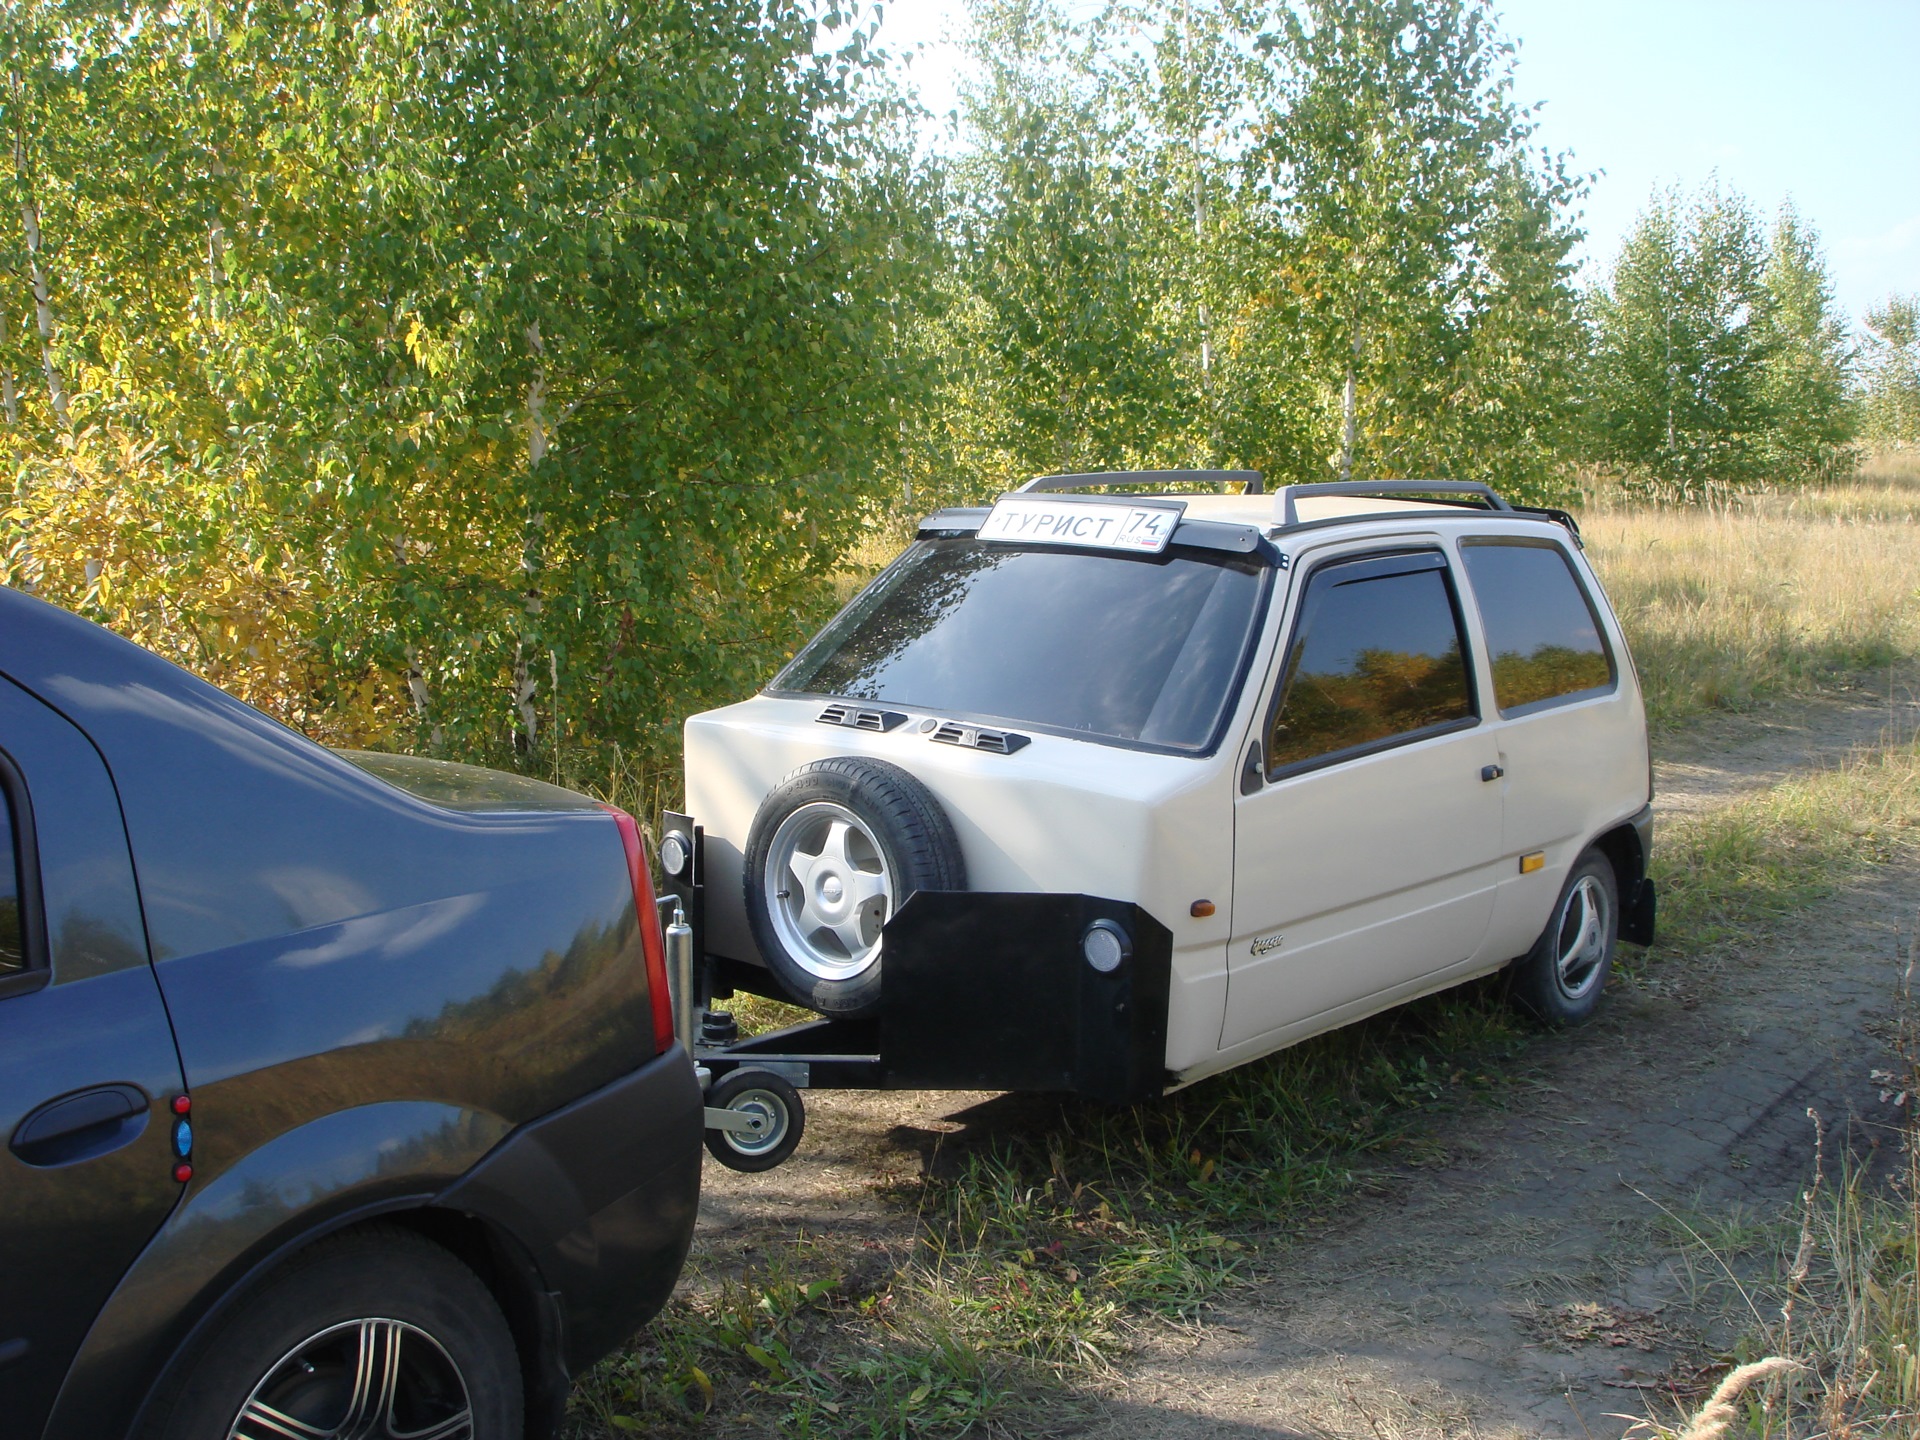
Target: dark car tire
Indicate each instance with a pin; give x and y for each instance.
(763, 1093)
(292, 1343)
(870, 835)
(1560, 980)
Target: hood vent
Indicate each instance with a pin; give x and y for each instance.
(972, 737)
(855, 717)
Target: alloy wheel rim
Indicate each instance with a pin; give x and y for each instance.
(1582, 938)
(370, 1379)
(828, 890)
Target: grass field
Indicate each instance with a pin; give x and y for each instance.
(1784, 593)
(1040, 1259)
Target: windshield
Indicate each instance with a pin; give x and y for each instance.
(1138, 649)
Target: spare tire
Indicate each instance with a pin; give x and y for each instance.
(835, 849)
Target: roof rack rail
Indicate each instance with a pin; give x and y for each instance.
(1249, 478)
(1289, 516)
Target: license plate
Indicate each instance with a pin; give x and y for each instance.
(1142, 529)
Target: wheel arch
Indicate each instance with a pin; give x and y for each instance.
(500, 1263)
(231, 1230)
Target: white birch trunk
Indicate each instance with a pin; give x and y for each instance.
(525, 687)
(42, 300)
(1348, 419)
(9, 399)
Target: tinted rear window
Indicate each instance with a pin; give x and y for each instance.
(1143, 650)
(1543, 638)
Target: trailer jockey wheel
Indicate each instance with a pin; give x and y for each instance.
(763, 1096)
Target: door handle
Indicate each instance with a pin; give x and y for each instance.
(81, 1127)
(1491, 772)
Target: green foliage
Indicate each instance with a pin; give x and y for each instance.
(1184, 225)
(1683, 345)
(1813, 420)
(510, 379)
(558, 343)
(1430, 257)
(1720, 362)
(1891, 370)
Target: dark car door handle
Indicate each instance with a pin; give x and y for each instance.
(1491, 772)
(80, 1127)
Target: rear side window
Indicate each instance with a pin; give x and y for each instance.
(13, 952)
(1544, 640)
(1376, 657)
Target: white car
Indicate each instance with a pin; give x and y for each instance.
(1184, 779)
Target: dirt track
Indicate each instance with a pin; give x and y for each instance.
(1522, 1285)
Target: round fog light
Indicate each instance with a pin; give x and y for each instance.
(674, 854)
(1105, 945)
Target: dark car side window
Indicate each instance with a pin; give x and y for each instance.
(13, 950)
(1544, 642)
(1376, 657)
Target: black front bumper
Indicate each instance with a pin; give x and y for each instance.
(602, 1195)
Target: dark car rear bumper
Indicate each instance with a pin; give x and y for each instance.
(603, 1194)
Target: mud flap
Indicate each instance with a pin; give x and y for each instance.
(992, 992)
(1637, 916)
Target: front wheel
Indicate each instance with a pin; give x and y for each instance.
(1559, 981)
(377, 1335)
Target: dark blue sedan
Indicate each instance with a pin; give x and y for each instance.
(339, 1094)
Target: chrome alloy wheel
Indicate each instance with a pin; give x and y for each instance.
(360, 1380)
(828, 890)
(1580, 944)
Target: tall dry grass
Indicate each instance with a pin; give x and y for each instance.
(1838, 1316)
(1782, 593)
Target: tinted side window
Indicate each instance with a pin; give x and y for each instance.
(13, 954)
(1543, 638)
(1376, 654)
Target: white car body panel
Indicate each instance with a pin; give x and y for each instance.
(1058, 816)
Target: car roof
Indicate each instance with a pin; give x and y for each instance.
(1248, 520)
(1263, 510)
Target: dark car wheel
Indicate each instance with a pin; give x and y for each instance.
(1561, 978)
(378, 1335)
(835, 849)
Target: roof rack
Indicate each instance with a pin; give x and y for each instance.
(1249, 478)
(1289, 516)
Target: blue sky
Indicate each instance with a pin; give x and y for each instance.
(1817, 100)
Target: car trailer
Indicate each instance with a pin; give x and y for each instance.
(1091, 976)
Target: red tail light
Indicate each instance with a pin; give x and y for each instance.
(650, 937)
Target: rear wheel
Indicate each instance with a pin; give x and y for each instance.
(378, 1335)
(835, 849)
(1561, 978)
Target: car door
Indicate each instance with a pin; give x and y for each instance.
(1367, 828)
(88, 1069)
